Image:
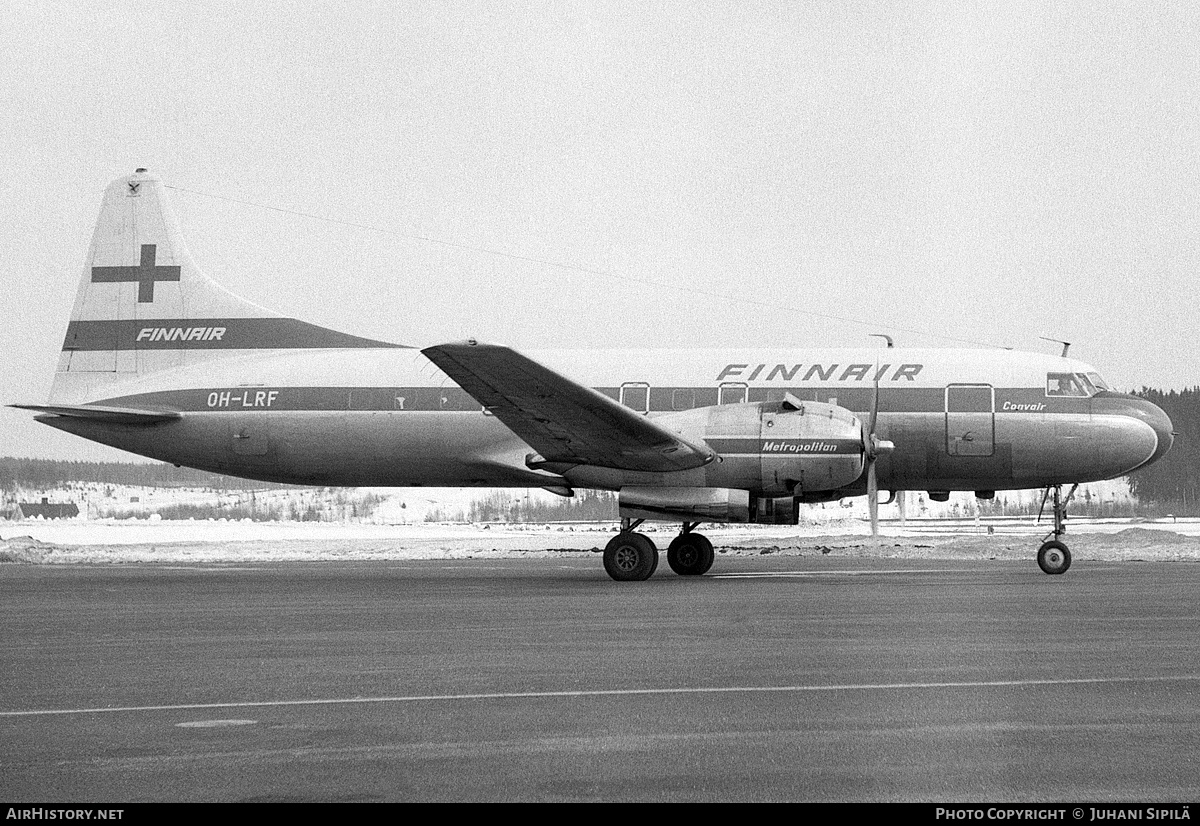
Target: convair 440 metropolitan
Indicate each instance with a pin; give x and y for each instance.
(161, 361)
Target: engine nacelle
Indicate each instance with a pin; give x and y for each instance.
(685, 504)
(706, 505)
(788, 448)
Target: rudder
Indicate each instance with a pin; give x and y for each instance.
(144, 306)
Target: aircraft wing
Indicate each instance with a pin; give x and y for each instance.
(564, 421)
(115, 415)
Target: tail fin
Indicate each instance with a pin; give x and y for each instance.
(143, 306)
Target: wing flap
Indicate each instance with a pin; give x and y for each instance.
(564, 421)
(115, 415)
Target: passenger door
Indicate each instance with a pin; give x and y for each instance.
(970, 420)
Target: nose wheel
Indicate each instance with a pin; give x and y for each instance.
(1054, 557)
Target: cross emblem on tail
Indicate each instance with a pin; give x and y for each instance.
(145, 274)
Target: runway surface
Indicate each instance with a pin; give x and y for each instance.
(794, 678)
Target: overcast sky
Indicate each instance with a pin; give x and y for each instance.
(705, 174)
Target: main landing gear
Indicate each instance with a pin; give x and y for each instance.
(632, 557)
(690, 554)
(629, 556)
(1054, 557)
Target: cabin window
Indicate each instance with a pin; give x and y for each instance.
(636, 396)
(731, 393)
(683, 399)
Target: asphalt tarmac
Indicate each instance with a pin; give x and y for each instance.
(771, 678)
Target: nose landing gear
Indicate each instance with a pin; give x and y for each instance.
(1054, 557)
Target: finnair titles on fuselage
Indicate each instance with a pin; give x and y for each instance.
(820, 372)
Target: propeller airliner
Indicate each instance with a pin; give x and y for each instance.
(161, 361)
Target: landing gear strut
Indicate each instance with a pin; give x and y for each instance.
(690, 554)
(1054, 557)
(629, 556)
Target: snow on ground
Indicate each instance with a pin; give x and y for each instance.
(121, 524)
(139, 541)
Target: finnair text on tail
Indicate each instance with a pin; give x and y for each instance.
(181, 334)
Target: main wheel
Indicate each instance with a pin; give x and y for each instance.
(630, 557)
(1053, 557)
(690, 554)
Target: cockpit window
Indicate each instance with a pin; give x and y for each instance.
(1100, 383)
(1071, 385)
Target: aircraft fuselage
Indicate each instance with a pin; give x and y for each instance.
(959, 419)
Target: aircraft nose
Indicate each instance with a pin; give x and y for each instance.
(1137, 408)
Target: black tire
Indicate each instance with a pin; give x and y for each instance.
(1053, 557)
(690, 554)
(630, 557)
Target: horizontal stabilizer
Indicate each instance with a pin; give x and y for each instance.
(562, 420)
(115, 415)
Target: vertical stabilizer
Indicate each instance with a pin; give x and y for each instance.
(143, 306)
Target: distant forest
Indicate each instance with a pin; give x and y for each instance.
(1171, 483)
(1174, 481)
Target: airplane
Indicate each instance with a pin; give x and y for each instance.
(161, 361)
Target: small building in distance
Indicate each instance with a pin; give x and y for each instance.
(48, 510)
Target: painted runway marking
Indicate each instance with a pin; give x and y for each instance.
(215, 723)
(616, 692)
